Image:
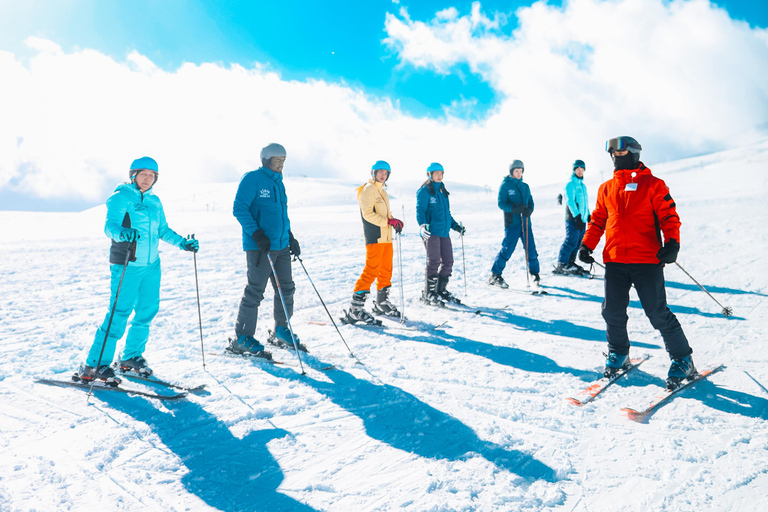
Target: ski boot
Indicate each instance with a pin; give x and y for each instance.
(679, 370)
(382, 305)
(560, 269)
(498, 281)
(247, 346)
(429, 295)
(575, 270)
(136, 365)
(104, 374)
(357, 312)
(445, 295)
(614, 363)
(281, 337)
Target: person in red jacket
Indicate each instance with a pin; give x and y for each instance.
(634, 209)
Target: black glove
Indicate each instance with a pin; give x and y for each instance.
(585, 254)
(518, 208)
(579, 223)
(262, 240)
(459, 229)
(527, 212)
(668, 253)
(293, 245)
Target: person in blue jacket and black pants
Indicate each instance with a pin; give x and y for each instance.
(134, 216)
(261, 208)
(433, 213)
(516, 201)
(576, 219)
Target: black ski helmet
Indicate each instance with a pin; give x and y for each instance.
(624, 143)
(271, 150)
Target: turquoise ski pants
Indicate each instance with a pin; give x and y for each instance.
(140, 294)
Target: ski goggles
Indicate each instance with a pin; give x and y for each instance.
(622, 144)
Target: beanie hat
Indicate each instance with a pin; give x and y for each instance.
(579, 163)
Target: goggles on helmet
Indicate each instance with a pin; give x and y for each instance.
(622, 144)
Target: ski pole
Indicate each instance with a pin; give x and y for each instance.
(726, 312)
(131, 251)
(199, 315)
(525, 256)
(285, 309)
(326, 307)
(400, 273)
(463, 259)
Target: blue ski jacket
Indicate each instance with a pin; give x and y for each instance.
(261, 203)
(433, 207)
(514, 197)
(577, 202)
(128, 207)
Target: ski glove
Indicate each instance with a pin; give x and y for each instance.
(190, 244)
(460, 229)
(585, 254)
(424, 232)
(579, 223)
(668, 253)
(395, 223)
(129, 235)
(527, 212)
(262, 240)
(518, 208)
(293, 245)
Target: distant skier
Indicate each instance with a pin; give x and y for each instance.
(261, 208)
(433, 213)
(576, 217)
(134, 214)
(634, 209)
(377, 229)
(516, 201)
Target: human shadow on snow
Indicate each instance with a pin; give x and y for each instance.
(728, 400)
(404, 422)
(227, 473)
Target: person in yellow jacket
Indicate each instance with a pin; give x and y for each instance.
(377, 228)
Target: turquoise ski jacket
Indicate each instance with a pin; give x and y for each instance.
(577, 202)
(433, 207)
(261, 203)
(128, 207)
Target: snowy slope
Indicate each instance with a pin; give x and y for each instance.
(469, 417)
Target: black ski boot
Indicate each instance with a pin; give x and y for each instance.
(104, 374)
(429, 296)
(448, 297)
(357, 312)
(382, 305)
(679, 370)
(247, 346)
(136, 365)
(498, 281)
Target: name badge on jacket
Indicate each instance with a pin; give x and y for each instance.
(631, 187)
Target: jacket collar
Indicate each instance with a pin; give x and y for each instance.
(269, 173)
(631, 175)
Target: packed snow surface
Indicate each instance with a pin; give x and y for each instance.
(468, 416)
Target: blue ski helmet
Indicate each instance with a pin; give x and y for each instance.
(141, 164)
(434, 166)
(379, 165)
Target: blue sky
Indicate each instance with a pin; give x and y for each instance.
(88, 86)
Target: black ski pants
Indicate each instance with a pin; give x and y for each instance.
(649, 284)
(259, 272)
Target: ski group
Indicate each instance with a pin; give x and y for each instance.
(634, 210)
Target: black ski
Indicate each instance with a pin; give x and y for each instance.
(155, 380)
(102, 386)
(248, 355)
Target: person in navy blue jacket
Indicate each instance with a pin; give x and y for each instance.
(516, 201)
(261, 208)
(433, 213)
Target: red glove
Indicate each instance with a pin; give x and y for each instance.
(397, 224)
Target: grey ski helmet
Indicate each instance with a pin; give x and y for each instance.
(271, 150)
(516, 164)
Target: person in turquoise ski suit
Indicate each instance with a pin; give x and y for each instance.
(433, 213)
(516, 201)
(576, 219)
(134, 215)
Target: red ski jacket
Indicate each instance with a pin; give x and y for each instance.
(633, 209)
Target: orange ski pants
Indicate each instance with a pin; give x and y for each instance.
(378, 267)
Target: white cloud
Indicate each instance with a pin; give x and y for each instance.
(680, 76)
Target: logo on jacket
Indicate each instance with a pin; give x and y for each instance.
(432, 200)
(264, 193)
(513, 192)
(140, 207)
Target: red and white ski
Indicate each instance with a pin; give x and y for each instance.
(588, 394)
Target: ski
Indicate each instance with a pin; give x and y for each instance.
(589, 393)
(102, 386)
(154, 380)
(529, 292)
(665, 395)
(246, 355)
